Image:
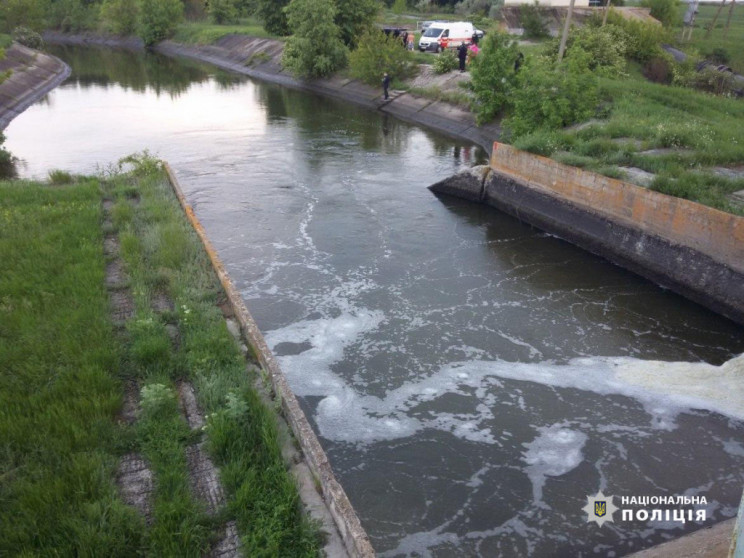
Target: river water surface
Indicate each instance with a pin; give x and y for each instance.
(472, 379)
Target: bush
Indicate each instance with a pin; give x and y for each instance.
(659, 70)
(74, 15)
(353, 17)
(606, 48)
(550, 99)
(644, 39)
(28, 38)
(315, 49)
(272, 13)
(223, 11)
(119, 16)
(719, 56)
(7, 161)
(666, 11)
(23, 13)
(493, 76)
(399, 6)
(445, 62)
(532, 22)
(378, 53)
(158, 19)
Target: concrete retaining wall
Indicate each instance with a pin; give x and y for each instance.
(33, 75)
(692, 249)
(352, 533)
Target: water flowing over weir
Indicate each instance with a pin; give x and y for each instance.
(471, 378)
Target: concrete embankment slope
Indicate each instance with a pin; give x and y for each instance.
(33, 75)
(692, 249)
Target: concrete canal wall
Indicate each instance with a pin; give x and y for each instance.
(33, 75)
(692, 249)
(347, 522)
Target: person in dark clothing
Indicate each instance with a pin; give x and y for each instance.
(462, 54)
(386, 85)
(518, 62)
(475, 38)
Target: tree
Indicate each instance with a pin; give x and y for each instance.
(315, 49)
(223, 11)
(272, 13)
(493, 75)
(378, 53)
(353, 17)
(158, 19)
(119, 16)
(27, 13)
(666, 11)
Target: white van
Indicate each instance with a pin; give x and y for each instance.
(446, 34)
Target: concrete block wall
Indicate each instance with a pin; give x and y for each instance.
(718, 234)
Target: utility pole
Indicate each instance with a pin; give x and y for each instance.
(715, 19)
(690, 15)
(728, 19)
(607, 11)
(566, 27)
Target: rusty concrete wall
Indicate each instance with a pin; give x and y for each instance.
(347, 522)
(33, 75)
(691, 249)
(717, 234)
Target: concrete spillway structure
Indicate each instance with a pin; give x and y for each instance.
(694, 250)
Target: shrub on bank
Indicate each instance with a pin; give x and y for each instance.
(606, 47)
(28, 38)
(315, 49)
(158, 19)
(26, 13)
(494, 76)
(119, 16)
(378, 53)
(223, 11)
(551, 98)
(445, 62)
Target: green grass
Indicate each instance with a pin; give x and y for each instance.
(459, 98)
(732, 43)
(5, 40)
(165, 255)
(701, 129)
(59, 390)
(205, 33)
(63, 367)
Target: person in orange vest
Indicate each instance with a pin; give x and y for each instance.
(409, 44)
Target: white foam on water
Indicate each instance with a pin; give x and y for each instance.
(345, 414)
(555, 452)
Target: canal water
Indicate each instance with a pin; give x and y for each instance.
(472, 379)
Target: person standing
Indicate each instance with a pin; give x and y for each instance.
(411, 38)
(462, 55)
(386, 85)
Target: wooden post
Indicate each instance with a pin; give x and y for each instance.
(728, 19)
(566, 27)
(715, 19)
(606, 13)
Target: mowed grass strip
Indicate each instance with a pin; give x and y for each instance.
(59, 391)
(164, 256)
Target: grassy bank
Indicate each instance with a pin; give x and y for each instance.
(207, 33)
(716, 42)
(695, 133)
(66, 367)
(59, 390)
